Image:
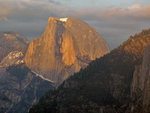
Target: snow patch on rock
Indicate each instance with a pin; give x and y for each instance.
(41, 76)
(63, 19)
(13, 58)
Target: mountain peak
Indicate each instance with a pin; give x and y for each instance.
(52, 19)
(66, 46)
(63, 19)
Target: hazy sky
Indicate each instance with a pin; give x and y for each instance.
(115, 20)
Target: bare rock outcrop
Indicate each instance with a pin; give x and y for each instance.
(13, 58)
(66, 46)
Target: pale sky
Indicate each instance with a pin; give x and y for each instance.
(102, 3)
(115, 20)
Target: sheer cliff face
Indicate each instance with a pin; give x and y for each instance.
(66, 46)
(141, 79)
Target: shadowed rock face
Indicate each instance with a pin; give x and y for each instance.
(141, 79)
(66, 46)
(20, 89)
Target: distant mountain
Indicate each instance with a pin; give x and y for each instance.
(105, 85)
(66, 46)
(19, 86)
(11, 41)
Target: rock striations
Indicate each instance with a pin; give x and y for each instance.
(66, 46)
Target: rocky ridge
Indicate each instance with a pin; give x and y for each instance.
(11, 41)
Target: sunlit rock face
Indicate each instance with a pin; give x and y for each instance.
(68, 52)
(66, 46)
(141, 80)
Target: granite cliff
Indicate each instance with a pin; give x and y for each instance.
(141, 84)
(66, 46)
